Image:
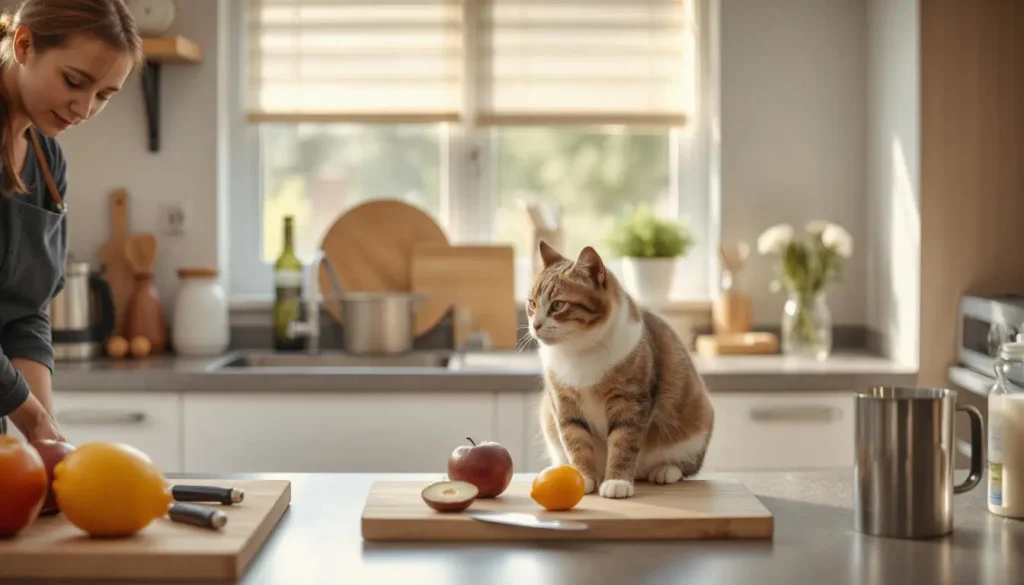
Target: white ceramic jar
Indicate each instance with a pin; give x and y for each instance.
(200, 325)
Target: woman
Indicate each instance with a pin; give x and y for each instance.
(61, 61)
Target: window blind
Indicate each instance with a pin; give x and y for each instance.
(354, 60)
(495, 62)
(585, 61)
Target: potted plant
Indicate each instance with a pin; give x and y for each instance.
(806, 267)
(649, 246)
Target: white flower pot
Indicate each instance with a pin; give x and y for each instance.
(649, 280)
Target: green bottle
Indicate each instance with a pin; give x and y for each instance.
(287, 291)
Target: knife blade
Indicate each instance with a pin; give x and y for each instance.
(528, 521)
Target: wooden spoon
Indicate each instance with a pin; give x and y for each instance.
(140, 249)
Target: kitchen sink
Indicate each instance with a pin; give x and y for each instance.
(331, 360)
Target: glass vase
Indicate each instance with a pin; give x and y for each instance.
(807, 326)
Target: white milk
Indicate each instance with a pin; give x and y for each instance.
(1006, 454)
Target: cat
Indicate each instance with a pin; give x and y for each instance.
(622, 399)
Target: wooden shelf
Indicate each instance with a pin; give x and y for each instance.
(172, 50)
(162, 51)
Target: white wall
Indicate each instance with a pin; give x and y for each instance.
(894, 261)
(793, 142)
(112, 151)
(793, 138)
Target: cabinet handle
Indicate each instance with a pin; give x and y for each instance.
(794, 413)
(101, 417)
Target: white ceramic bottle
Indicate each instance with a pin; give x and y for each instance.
(200, 326)
(1006, 434)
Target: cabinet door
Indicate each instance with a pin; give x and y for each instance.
(536, 452)
(341, 432)
(781, 431)
(148, 421)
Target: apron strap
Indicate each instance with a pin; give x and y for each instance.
(50, 183)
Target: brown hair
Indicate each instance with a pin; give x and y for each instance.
(52, 23)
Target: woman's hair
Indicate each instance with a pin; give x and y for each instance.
(52, 23)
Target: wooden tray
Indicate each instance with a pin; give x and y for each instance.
(53, 548)
(689, 510)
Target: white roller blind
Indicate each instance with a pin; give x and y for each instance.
(488, 61)
(564, 61)
(354, 60)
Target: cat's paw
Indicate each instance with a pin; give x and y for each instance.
(589, 485)
(666, 473)
(616, 488)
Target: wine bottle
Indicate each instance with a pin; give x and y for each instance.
(287, 291)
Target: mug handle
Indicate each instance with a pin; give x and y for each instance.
(977, 450)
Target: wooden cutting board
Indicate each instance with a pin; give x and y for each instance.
(480, 279)
(371, 248)
(53, 548)
(689, 510)
(116, 269)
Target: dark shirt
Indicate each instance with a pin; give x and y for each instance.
(33, 248)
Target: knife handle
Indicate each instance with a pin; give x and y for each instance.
(206, 493)
(198, 516)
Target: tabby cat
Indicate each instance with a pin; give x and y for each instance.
(622, 399)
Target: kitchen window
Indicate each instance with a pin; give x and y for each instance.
(468, 108)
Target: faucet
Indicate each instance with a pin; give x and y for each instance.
(310, 328)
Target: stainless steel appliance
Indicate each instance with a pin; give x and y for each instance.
(903, 470)
(983, 325)
(81, 315)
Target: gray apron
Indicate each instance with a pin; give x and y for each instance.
(32, 249)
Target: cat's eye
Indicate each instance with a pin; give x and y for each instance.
(532, 305)
(557, 306)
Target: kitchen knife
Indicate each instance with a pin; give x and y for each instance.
(206, 493)
(528, 521)
(197, 516)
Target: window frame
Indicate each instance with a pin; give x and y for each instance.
(472, 169)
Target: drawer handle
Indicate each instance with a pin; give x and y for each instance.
(101, 417)
(794, 413)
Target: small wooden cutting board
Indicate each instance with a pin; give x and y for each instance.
(689, 510)
(53, 548)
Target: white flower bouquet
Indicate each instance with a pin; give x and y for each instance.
(806, 267)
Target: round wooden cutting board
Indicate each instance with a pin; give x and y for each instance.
(371, 247)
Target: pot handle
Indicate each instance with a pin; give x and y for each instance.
(105, 326)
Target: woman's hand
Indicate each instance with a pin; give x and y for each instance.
(35, 422)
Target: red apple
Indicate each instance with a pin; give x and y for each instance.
(22, 485)
(486, 465)
(52, 452)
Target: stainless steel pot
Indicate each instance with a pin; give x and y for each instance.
(378, 323)
(81, 315)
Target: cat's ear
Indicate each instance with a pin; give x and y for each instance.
(590, 262)
(549, 255)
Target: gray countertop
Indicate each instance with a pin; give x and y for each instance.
(489, 371)
(318, 541)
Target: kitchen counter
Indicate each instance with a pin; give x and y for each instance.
(318, 541)
(474, 372)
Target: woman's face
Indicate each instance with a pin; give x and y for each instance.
(64, 86)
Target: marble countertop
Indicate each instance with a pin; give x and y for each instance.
(472, 372)
(319, 541)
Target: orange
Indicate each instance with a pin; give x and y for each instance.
(110, 489)
(558, 488)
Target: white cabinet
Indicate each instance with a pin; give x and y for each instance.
(755, 431)
(781, 431)
(332, 432)
(148, 421)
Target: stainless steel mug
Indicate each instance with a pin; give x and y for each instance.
(903, 467)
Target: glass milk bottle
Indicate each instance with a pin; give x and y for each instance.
(1006, 434)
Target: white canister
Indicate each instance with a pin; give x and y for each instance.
(200, 326)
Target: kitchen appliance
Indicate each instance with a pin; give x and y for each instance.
(903, 469)
(688, 510)
(983, 325)
(193, 542)
(81, 315)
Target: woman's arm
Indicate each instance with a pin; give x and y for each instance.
(26, 370)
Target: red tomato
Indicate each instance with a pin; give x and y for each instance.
(23, 485)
